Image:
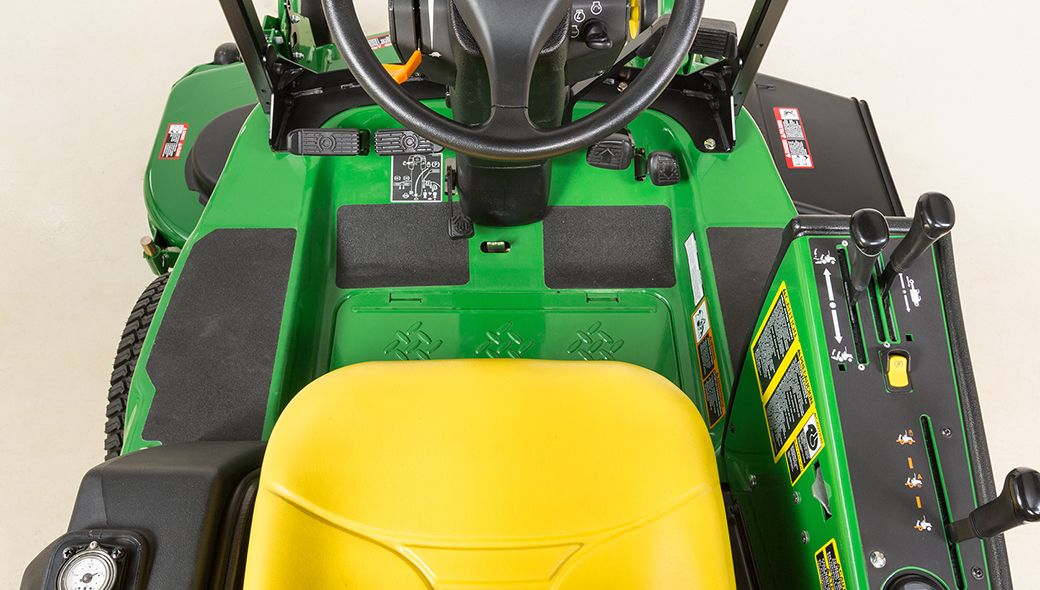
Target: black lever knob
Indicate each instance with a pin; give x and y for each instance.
(1018, 504)
(869, 230)
(596, 36)
(933, 219)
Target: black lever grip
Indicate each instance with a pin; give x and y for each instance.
(1018, 504)
(933, 219)
(869, 231)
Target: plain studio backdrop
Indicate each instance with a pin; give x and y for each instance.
(951, 83)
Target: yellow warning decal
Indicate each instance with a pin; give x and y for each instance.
(788, 402)
(810, 443)
(713, 404)
(774, 339)
(828, 566)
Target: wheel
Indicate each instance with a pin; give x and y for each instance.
(125, 362)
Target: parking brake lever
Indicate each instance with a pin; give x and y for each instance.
(1018, 504)
(933, 219)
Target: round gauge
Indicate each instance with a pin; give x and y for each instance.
(92, 569)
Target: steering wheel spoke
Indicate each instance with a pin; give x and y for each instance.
(510, 35)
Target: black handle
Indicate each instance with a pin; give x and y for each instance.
(933, 219)
(869, 231)
(1018, 504)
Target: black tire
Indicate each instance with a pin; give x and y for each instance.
(126, 360)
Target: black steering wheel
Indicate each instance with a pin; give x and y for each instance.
(510, 34)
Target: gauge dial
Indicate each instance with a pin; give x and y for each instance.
(92, 569)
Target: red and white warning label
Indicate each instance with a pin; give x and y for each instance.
(792, 137)
(380, 41)
(171, 149)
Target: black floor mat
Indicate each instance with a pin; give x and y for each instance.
(741, 258)
(623, 247)
(398, 245)
(214, 353)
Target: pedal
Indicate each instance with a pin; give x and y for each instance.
(396, 142)
(328, 142)
(613, 153)
(460, 226)
(663, 168)
(713, 37)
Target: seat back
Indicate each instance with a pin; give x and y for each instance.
(512, 474)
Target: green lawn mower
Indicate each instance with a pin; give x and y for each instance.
(534, 294)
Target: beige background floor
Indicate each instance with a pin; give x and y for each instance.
(952, 84)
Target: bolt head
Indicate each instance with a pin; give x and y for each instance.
(946, 431)
(797, 498)
(297, 55)
(67, 553)
(295, 18)
(752, 481)
(805, 537)
(709, 143)
(878, 559)
(621, 86)
(117, 553)
(977, 573)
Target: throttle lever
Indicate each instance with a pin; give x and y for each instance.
(933, 219)
(869, 231)
(1018, 504)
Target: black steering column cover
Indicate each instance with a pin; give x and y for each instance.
(510, 34)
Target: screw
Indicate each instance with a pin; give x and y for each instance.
(946, 431)
(732, 428)
(117, 553)
(709, 143)
(977, 573)
(93, 545)
(294, 18)
(297, 55)
(805, 537)
(67, 553)
(621, 86)
(752, 481)
(878, 560)
(797, 499)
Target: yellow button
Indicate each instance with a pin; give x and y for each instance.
(897, 370)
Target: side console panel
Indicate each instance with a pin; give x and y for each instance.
(846, 468)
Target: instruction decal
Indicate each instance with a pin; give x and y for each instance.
(695, 268)
(774, 339)
(810, 443)
(792, 137)
(380, 41)
(788, 404)
(829, 567)
(708, 364)
(174, 143)
(416, 178)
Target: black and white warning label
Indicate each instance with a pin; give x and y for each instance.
(787, 405)
(774, 339)
(416, 178)
(792, 137)
(829, 567)
(713, 399)
(174, 142)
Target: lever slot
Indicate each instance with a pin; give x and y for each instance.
(940, 496)
(853, 306)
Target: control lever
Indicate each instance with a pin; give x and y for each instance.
(1018, 504)
(933, 219)
(869, 230)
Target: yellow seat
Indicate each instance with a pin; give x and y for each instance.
(505, 474)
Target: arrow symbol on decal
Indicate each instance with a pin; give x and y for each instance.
(837, 329)
(830, 288)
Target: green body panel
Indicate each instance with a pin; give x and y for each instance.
(196, 99)
(770, 509)
(263, 189)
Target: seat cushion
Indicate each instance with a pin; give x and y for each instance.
(505, 473)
